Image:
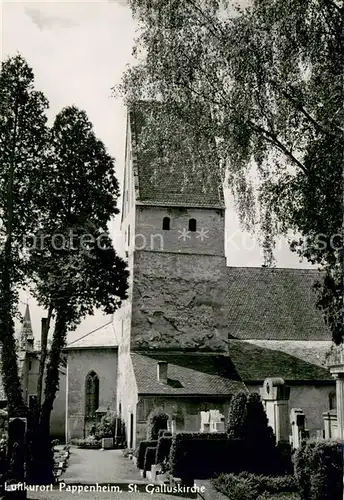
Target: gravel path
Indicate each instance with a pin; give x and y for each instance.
(108, 466)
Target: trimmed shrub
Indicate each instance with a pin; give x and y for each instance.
(202, 455)
(247, 486)
(319, 470)
(163, 449)
(236, 415)
(149, 458)
(247, 420)
(157, 421)
(142, 452)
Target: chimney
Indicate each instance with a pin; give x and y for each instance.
(162, 371)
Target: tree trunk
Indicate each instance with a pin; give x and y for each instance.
(43, 357)
(42, 471)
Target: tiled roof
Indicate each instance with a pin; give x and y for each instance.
(312, 351)
(273, 304)
(252, 363)
(187, 375)
(216, 374)
(103, 336)
(175, 184)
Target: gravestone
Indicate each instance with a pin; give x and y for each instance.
(275, 398)
(298, 431)
(212, 421)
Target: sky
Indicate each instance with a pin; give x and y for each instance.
(78, 51)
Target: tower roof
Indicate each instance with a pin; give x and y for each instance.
(167, 170)
(26, 332)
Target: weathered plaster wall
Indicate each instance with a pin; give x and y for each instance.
(80, 362)
(312, 399)
(208, 238)
(177, 301)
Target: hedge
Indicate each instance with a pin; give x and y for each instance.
(202, 455)
(319, 470)
(247, 486)
(142, 452)
(149, 458)
(163, 449)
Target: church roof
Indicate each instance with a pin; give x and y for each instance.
(187, 375)
(174, 183)
(312, 351)
(255, 363)
(102, 337)
(221, 374)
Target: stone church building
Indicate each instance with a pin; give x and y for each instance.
(194, 331)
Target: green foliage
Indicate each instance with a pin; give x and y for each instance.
(107, 425)
(163, 450)
(248, 421)
(258, 92)
(202, 455)
(247, 486)
(157, 421)
(149, 458)
(142, 452)
(23, 149)
(319, 470)
(73, 267)
(236, 415)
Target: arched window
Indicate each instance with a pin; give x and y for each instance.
(332, 401)
(92, 395)
(192, 225)
(166, 223)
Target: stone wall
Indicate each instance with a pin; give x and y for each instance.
(177, 301)
(80, 362)
(208, 238)
(314, 400)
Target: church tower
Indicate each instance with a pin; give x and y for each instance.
(173, 224)
(26, 336)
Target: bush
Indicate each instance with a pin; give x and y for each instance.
(202, 455)
(247, 486)
(236, 416)
(142, 452)
(157, 421)
(163, 450)
(149, 458)
(319, 470)
(247, 420)
(92, 444)
(107, 426)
